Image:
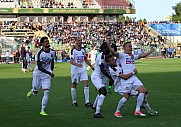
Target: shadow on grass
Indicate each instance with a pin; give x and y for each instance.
(17, 110)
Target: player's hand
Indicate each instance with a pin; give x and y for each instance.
(52, 75)
(79, 65)
(135, 71)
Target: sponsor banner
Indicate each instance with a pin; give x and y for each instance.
(168, 29)
(64, 11)
(73, 11)
(6, 10)
(30, 10)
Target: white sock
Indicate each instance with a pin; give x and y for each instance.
(95, 102)
(44, 100)
(73, 93)
(139, 101)
(121, 103)
(99, 103)
(86, 94)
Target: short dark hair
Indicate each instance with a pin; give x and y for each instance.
(127, 42)
(107, 57)
(42, 40)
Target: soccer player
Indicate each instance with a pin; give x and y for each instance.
(99, 78)
(79, 72)
(43, 72)
(127, 62)
(125, 90)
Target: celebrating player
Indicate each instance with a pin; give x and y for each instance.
(99, 79)
(79, 72)
(125, 90)
(43, 72)
(127, 61)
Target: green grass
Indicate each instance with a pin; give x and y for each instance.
(162, 77)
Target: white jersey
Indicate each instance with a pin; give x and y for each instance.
(126, 62)
(119, 84)
(46, 59)
(100, 59)
(98, 79)
(78, 56)
(114, 72)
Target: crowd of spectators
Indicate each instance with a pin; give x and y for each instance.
(53, 4)
(6, 0)
(92, 33)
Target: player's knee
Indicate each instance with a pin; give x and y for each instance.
(46, 92)
(103, 91)
(127, 95)
(142, 90)
(74, 85)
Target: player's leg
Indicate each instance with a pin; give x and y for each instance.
(73, 93)
(101, 88)
(95, 103)
(44, 102)
(147, 107)
(84, 78)
(138, 86)
(121, 103)
(36, 84)
(102, 95)
(46, 84)
(75, 80)
(140, 99)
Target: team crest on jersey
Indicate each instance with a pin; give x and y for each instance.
(130, 61)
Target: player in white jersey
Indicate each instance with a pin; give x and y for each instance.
(43, 72)
(127, 62)
(99, 78)
(116, 73)
(92, 56)
(79, 72)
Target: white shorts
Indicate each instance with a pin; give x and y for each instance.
(76, 77)
(136, 83)
(41, 81)
(131, 92)
(98, 81)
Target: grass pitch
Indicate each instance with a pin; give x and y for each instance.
(162, 77)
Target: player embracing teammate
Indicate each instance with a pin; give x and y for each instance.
(127, 61)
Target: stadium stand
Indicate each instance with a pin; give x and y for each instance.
(7, 4)
(113, 3)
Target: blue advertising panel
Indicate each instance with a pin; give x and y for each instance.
(167, 29)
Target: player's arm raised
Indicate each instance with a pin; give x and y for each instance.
(146, 53)
(111, 49)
